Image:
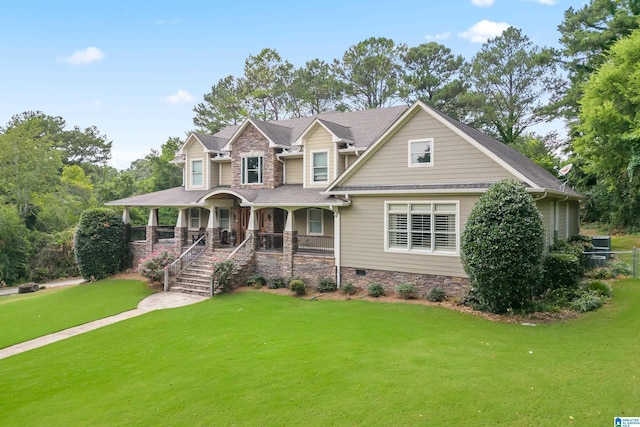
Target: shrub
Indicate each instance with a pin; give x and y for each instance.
(619, 268)
(99, 244)
(298, 287)
(599, 287)
(502, 247)
(152, 267)
(14, 246)
(561, 270)
(223, 271)
(600, 273)
(406, 291)
(375, 290)
(436, 295)
(256, 280)
(327, 285)
(55, 257)
(471, 299)
(349, 289)
(588, 301)
(277, 283)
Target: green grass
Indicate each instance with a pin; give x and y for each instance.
(259, 359)
(27, 316)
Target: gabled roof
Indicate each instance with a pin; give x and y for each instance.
(517, 164)
(361, 127)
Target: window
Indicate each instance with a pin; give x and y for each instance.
(196, 172)
(194, 219)
(320, 166)
(420, 152)
(314, 221)
(425, 227)
(223, 219)
(252, 170)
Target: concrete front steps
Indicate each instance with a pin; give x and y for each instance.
(196, 278)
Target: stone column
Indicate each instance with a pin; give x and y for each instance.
(152, 230)
(213, 229)
(181, 232)
(288, 245)
(252, 229)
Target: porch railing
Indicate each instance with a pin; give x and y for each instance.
(138, 234)
(187, 257)
(270, 241)
(314, 244)
(243, 251)
(165, 233)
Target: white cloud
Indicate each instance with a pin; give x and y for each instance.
(484, 30)
(86, 56)
(441, 36)
(483, 3)
(180, 97)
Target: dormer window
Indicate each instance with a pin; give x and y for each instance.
(196, 173)
(320, 166)
(252, 170)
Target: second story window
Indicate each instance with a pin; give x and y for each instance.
(252, 170)
(196, 172)
(320, 166)
(420, 152)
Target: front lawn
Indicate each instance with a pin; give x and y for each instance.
(27, 316)
(260, 359)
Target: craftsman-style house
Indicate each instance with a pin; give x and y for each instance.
(367, 196)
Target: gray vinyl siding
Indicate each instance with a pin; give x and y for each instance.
(362, 237)
(318, 140)
(563, 231)
(294, 171)
(300, 222)
(225, 173)
(574, 218)
(545, 206)
(214, 175)
(454, 159)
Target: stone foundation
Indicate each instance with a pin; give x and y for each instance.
(137, 251)
(362, 278)
(313, 268)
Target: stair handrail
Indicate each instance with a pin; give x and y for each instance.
(189, 255)
(245, 247)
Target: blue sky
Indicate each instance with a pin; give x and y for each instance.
(135, 69)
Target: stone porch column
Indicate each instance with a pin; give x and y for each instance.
(181, 231)
(336, 245)
(152, 230)
(252, 229)
(288, 245)
(213, 229)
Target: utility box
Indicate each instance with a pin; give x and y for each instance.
(602, 244)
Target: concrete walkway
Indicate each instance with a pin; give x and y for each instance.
(159, 301)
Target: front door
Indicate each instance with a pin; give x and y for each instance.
(245, 214)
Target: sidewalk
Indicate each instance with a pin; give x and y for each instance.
(159, 301)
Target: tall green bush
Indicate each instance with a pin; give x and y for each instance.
(14, 246)
(502, 246)
(99, 243)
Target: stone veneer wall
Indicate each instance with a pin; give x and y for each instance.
(137, 251)
(269, 264)
(313, 268)
(251, 140)
(453, 286)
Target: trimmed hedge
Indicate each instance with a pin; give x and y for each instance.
(99, 244)
(562, 270)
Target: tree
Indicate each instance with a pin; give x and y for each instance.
(609, 137)
(81, 147)
(587, 34)
(433, 76)
(29, 160)
(518, 80)
(540, 149)
(371, 71)
(99, 244)
(266, 80)
(14, 246)
(225, 105)
(502, 245)
(315, 89)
